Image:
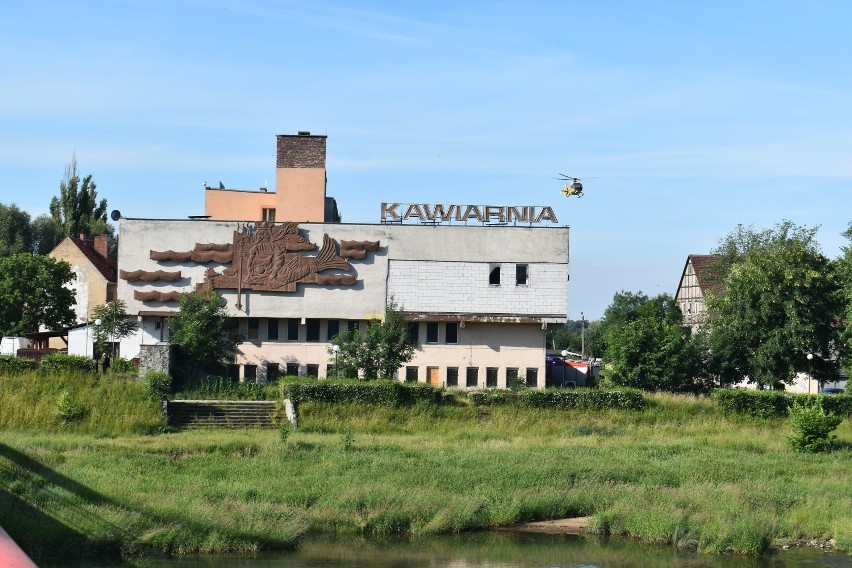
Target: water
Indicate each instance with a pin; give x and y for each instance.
(487, 550)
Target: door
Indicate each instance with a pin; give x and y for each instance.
(434, 376)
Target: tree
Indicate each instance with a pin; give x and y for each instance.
(647, 345)
(16, 233)
(781, 302)
(203, 331)
(77, 210)
(115, 324)
(385, 347)
(47, 233)
(33, 293)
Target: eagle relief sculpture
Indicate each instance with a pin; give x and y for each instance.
(271, 258)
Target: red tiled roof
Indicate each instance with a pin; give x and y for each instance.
(106, 266)
(703, 266)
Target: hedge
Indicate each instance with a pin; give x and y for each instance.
(775, 404)
(583, 399)
(58, 363)
(11, 365)
(369, 393)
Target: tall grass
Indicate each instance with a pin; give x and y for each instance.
(107, 404)
(678, 473)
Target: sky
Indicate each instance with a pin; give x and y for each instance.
(683, 119)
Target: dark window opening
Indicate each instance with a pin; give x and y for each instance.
(293, 329)
(253, 328)
(512, 378)
(452, 376)
(272, 373)
(411, 374)
(432, 332)
(354, 326)
(414, 331)
(494, 275)
(293, 369)
(332, 329)
(269, 215)
(532, 377)
(312, 370)
(272, 329)
(472, 377)
(234, 373)
(313, 329)
(491, 377)
(250, 373)
(521, 275)
(452, 332)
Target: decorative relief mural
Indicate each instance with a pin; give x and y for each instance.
(266, 257)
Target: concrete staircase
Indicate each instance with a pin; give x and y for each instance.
(223, 413)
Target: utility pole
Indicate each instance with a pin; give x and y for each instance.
(582, 336)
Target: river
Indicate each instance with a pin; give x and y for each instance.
(485, 550)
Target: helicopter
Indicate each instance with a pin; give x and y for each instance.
(574, 188)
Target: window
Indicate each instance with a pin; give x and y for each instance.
(313, 329)
(293, 369)
(452, 332)
(512, 378)
(414, 331)
(293, 329)
(312, 370)
(452, 376)
(354, 326)
(521, 274)
(234, 373)
(250, 373)
(494, 275)
(272, 329)
(110, 292)
(332, 329)
(272, 372)
(253, 328)
(532, 377)
(268, 215)
(432, 332)
(411, 374)
(491, 377)
(472, 377)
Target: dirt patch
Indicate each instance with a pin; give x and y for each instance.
(574, 525)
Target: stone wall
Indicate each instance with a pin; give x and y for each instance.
(155, 358)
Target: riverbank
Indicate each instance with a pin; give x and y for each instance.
(678, 473)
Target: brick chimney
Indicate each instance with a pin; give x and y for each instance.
(101, 244)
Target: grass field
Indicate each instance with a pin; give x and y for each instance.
(677, 473)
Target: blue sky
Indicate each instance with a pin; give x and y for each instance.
(683, 118)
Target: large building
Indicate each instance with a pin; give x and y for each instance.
(479, 284)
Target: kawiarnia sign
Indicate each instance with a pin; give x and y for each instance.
(439, 213)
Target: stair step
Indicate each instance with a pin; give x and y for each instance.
(223, 414)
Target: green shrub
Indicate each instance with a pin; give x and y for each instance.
(67, 410)
(775, 404)
(62, 363)
(157, 384)
(214, 387)
(583, 399)
(812, 426)
(369, 393)
(121, 365)
(11, 365)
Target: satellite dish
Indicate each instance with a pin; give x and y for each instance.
(115, 215)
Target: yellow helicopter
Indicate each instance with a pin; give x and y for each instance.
(575, 188)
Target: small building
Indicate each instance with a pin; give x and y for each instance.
(94, 282)
(479, 284)
(697, 279)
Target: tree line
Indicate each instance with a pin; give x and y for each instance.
(33, 288)
(779, 307)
